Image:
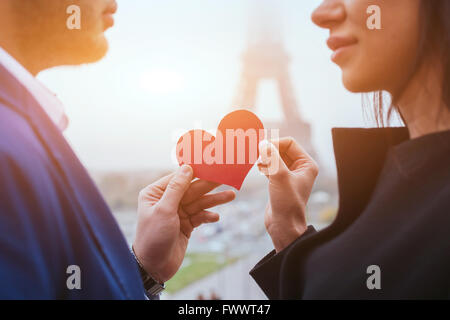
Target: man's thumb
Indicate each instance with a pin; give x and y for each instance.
(176, 188)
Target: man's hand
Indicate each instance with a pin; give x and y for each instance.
(168, 211)
(291, 173)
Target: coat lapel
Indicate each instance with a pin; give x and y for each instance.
(360, 156)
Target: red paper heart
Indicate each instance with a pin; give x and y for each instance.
(228, 157)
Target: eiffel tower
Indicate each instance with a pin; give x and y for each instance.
(266, 58)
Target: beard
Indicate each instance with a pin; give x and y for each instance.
(43, 36)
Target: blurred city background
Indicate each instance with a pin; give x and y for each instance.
(176, 65)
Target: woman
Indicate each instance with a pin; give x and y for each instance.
(391, 236)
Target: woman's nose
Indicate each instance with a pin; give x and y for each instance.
(329, 13)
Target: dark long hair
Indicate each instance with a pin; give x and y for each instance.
(434, 39)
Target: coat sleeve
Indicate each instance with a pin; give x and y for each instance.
(24, 241)
(266, 272)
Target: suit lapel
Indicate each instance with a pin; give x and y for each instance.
(87, 199)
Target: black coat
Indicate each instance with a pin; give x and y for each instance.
(394, 215)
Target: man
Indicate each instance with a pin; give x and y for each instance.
(58, 238)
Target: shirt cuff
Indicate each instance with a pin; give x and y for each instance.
(266, 272)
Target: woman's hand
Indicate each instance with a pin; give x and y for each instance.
(291, 173)
(168, 211)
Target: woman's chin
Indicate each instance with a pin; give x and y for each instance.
(356, 84)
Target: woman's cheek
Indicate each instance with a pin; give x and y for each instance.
(374, 56)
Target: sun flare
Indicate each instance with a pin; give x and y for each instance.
(161, 81)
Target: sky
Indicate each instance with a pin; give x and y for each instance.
(174, 65)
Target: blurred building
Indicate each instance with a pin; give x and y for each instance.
(266, 58)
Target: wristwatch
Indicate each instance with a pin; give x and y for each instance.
(151, 286)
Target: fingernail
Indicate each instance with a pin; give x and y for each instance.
(185, 170)
(265, 151)
(263, 143)
(264, 162)
(266, 144)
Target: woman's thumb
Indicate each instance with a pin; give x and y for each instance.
(271, 164)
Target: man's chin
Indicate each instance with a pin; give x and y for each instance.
(87, 51)
(96, 51)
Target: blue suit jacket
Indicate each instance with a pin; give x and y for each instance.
(51, 213)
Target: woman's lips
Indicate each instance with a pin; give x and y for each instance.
(340, 45)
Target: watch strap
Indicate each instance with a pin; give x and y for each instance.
(151, 286)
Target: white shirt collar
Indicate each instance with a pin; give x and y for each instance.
(48, 101)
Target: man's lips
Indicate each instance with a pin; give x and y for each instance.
(112, 8)
(108, 14)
